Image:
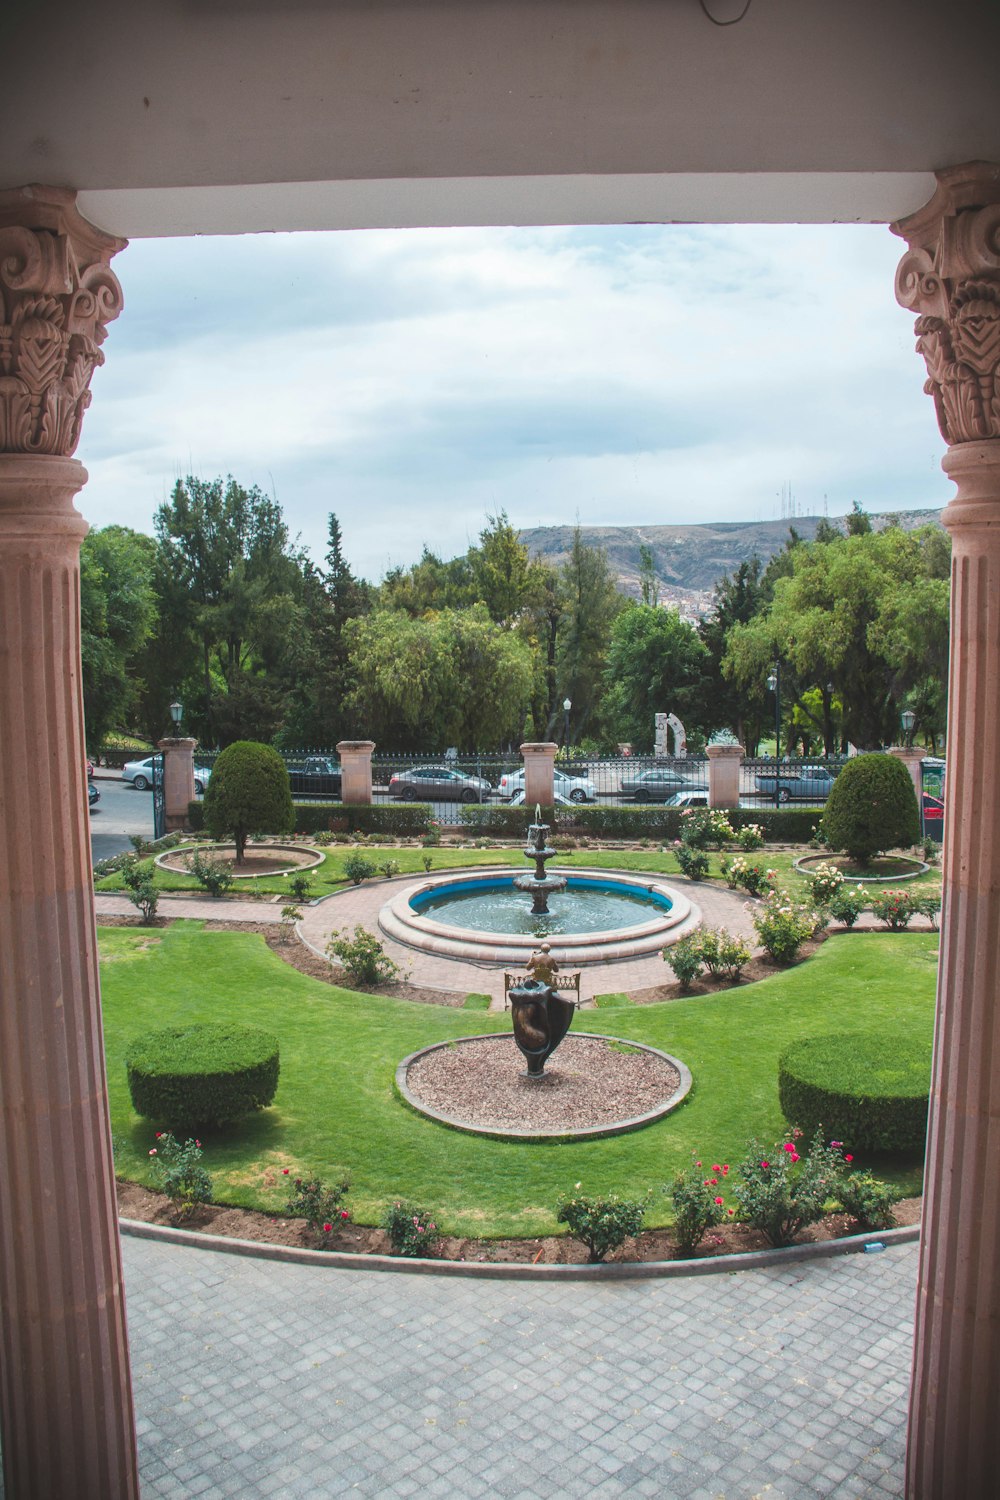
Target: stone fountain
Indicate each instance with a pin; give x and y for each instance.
(539, 886)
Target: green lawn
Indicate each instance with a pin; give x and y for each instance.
(336, 1107)
(329, 876)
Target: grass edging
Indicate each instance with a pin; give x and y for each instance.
(345, 1260)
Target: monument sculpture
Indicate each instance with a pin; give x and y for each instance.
(541, 1017)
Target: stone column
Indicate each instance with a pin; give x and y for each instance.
(539, 783)
(913, 760)
(724, 762)
(951, 278)
(356, 770)
(66, 1420)
(178, 781)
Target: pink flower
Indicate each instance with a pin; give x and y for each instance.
(159, 1135)
(716, 1169)
(719, 1202)
(285, 1171)
(344, 1214)
(848, 1156)
(153, 1152)
(725, 1171)
(731, 1211)
(789, 1148)
(327, 1228)
(765, 1165)
(697, 1163)
(836, 1144)
(197, 1143)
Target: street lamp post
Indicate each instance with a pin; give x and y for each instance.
(908, 718)
(774, 686)
(567, 705)
(177, 713)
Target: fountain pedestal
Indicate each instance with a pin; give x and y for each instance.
(539, 886)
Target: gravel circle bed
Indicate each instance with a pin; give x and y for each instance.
(590, 1083)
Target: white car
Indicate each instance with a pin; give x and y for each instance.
(569, 788)
(140, 774)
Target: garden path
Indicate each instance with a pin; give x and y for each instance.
(257, 1379)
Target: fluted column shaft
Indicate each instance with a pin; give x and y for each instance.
(950, 277)
(66, 1422)
(954, 1446)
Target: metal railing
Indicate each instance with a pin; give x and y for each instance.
(805, 781)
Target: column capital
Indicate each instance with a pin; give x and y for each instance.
(57, 296)
(950, 277)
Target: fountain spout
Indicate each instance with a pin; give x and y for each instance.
(539, 885)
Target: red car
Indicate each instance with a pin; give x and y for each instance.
(933, 817)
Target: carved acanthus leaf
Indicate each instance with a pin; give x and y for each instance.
(57, 296)
(950, 276)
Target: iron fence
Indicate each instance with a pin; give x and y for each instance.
(805, 781)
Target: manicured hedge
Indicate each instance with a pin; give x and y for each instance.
(867, 1089)
(408, 819)
(204, 1074)
(785, 825)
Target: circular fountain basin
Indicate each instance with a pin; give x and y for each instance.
(481, 917)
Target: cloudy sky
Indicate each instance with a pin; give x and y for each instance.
(414, 381)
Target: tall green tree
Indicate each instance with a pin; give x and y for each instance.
(117, 615)
(590, 603)
(838, 620)
(451, 678)
(236, 582)
(725, 704)
(655, 665)
(319, 661)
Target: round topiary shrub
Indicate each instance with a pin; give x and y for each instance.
(872, 807)
(249, 793)
(866, 1089)
(202, 1075)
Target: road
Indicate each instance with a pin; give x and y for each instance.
(121, 811)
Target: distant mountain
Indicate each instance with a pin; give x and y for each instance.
(690, 560)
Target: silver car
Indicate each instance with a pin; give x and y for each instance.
(569, 788)
(140, 774)
(438, 784)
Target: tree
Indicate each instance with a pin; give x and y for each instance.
(318, 660)
(117, 615)
(836, 621)
(649, 584)
(453, 678)
(655, 664)
(237, 585)
(590, 602)
(248, 794)
(501, 572)
(724, 703)
(872, 807)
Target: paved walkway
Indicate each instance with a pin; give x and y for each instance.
(259, 1379)
(345, 909)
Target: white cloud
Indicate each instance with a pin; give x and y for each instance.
(413, 380)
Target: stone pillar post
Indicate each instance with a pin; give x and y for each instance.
(913, 760)
(178, 781)
(951, 278)
(724, 763)
(539, 763)
(356, 770)
(66, 1420)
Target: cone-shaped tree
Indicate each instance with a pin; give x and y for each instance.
(249, 793)
(872, 807)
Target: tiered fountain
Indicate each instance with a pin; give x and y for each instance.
(539, 886)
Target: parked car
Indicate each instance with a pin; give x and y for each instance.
(688, 799)
(804, 783)
(438, 783)
(140, 774)
(933, 811)
(572, 788)
(656, 785)
(93, 795)
(316, 777)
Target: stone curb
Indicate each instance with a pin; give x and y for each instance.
(752, 1260)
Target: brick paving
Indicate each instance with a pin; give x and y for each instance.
(346, 908)
(256, 1379)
